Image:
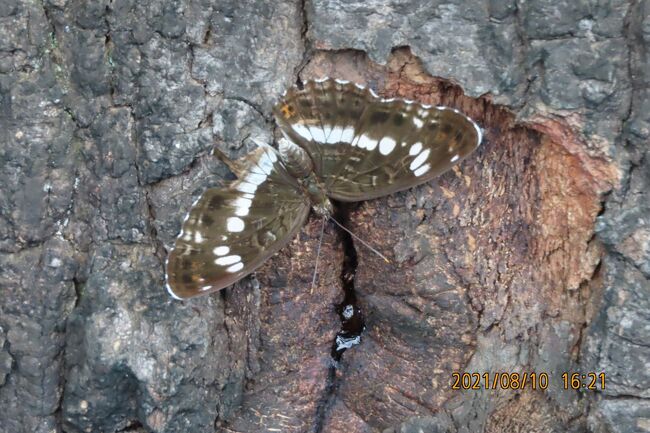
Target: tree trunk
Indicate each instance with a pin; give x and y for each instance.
(528, 260)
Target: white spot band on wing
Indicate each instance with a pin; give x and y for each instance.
(242, 206)
(221, 251)
(347, 135)
(327, 130)
(235, 224)
(335, 135)
(386, 145)
(420, 159)
(255, 178)
(235, 268)
(415, 149)
(302, 131)
(366, 142)
(228, 260)
(246, 187)
(317, 134)
(421, 170)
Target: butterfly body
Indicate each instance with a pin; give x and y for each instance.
(342, 142)
(300, 165)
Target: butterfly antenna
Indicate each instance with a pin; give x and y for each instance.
(320, 242)
(364, 243)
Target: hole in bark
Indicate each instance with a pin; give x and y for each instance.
(352, 323)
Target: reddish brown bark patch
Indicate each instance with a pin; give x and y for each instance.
(500, 244)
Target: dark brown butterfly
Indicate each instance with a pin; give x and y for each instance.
(341, 141)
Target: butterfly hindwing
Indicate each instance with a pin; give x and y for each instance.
(364, 146)
(231, 231)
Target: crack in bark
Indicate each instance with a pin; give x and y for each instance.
(251, 104)
(109, 47)
(308, 51)
(157, 244)
(352, 322)
(582, 331)
(525, 49)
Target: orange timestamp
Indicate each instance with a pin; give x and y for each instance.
(590, 381)
(523, 380)
(499, 380)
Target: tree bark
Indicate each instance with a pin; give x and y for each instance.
(530, 257)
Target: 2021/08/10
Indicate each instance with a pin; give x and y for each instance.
(533, 380)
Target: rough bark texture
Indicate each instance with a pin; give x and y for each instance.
(533, 255)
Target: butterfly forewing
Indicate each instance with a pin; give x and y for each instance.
(230, 231)
(366, 146)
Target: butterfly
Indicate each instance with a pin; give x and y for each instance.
(340, 141)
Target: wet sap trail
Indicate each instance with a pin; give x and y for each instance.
(352, 323)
